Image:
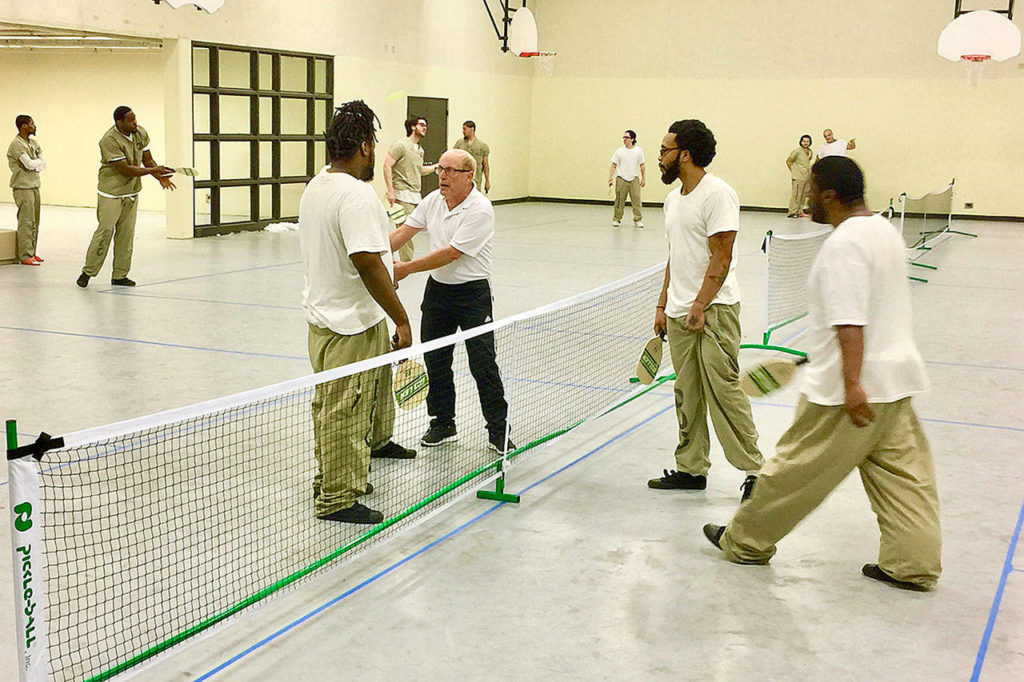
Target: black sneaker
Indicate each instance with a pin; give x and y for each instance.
(393, 450)
(747, 488)
(500, 444)
(83, 280)
(357, 513)
(875, 573)
(714, 534)
(122, 282)
(439, 433)
(369, 489)
(677, 480)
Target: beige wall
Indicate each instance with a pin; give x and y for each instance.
(762, 73)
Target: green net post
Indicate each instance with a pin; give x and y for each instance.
(498, 494)
(12, 434)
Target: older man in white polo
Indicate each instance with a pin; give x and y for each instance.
(460, 222)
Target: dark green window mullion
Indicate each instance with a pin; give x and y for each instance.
(214, 130)
(310, 116)
(275, 145)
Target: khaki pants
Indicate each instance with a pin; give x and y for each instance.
(116, 219)
(707, 379)
(27, 201)
(351, 416)
(814, 456)
(622, 188)
(798, 196)
(406, 252)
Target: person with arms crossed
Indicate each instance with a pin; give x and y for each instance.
(699, 311)
(834, 147)
(460, 222)
(799, 164)
(124, 159)
(855, 407)
(629, 173)
(25, 159)
(346, 259)
(404, 171)
(480, 152)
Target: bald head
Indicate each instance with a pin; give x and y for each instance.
(459, 158)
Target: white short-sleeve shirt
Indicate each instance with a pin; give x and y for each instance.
(627, 162)
(834, 148)
(712, 207)
(469, 227)
(860, 278)
(339, 216)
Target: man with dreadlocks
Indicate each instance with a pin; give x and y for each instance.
(346, 257)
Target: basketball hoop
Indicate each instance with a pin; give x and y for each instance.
(979, 37)
(545, 59)
(975, 66)
(522, 40)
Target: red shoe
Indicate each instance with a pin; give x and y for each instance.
(37, 259)
(30, 261)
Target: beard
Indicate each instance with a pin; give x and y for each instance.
(670, 174)
(818, 213)
(367, 174)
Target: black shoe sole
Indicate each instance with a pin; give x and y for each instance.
(406, 454)
(875, 573)
(449, 439)
(371, 519)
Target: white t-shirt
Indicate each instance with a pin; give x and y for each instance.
(860, 278)
(711, 207)
(627, 162)
(834, 148)
(468, 227)
(338, 216)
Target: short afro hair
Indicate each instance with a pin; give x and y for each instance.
(842, 175)
(694, 137)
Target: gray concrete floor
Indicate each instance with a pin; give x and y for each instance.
(593, 575)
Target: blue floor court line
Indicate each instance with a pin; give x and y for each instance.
(997, 600)
(122, 291)
(422, 550)
(158, 343)
(210, 300)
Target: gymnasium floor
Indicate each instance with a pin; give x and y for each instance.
(593, 575)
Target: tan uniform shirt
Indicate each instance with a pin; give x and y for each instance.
(21, 177)
(408, 161)
(113, 147)
(800, 163)
(478, 149)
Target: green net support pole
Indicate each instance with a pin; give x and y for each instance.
(925, 265)
(965, 234)
(498, 494)
(918, 279)
(27, 565)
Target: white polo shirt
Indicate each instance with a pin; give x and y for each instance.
(712, 207)
(338, 216)
(860, 278)
(835, 148)
(469, 227)
(627, 162)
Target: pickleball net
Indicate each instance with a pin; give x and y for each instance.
(141, 535)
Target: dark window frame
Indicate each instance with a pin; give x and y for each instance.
(254, 137)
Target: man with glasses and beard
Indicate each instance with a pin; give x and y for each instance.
(346, 257)
(460, 222)
(699, 311)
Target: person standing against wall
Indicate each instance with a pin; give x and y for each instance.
(799, 163)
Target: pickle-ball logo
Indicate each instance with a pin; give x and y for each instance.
(23, 520)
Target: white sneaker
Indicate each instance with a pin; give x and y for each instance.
(616, 223)
(638, 224)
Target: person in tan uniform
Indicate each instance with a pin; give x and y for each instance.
(855, 407)
(25, 159)
(124, 159)
(480, 152)
(404, 170)
(699, 311)
(799, 163)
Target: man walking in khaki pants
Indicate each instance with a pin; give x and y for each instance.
(629, 173)
(346, 256)
(855, 410)
(25, 159)
(124, 159)
(699, 310)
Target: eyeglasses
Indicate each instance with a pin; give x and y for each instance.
(444, 169)
(665, 150)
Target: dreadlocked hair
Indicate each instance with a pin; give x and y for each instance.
(353, 124)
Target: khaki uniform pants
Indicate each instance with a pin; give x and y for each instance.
(622, 188)
(814, 456)
(116, 220)
(798, 196)
(405, 253)
(27, 201)
(351, 416)
(707, 379)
